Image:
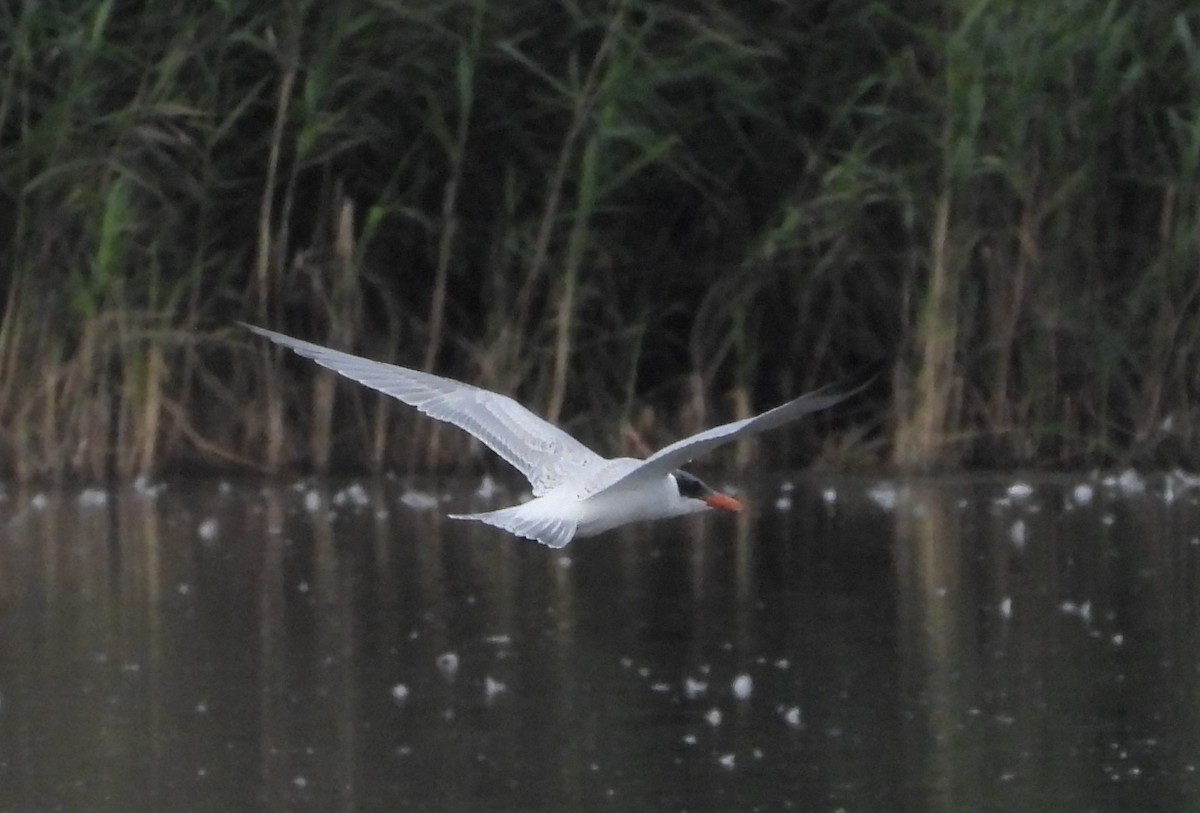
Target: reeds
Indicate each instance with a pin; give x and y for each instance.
(600, 208)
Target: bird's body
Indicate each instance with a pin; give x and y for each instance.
(561, 515)
(577, 493)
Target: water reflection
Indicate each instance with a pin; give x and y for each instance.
(851, 644)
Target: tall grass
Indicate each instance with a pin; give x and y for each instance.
(638, 217)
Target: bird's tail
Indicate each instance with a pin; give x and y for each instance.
(552, 531)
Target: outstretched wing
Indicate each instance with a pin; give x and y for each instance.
(541, 451)
(671, 457)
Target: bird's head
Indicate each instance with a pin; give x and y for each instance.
(694, 490)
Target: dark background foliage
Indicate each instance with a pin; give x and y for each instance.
(638, 217)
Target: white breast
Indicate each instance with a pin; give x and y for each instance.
(656, 499)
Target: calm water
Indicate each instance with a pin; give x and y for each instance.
(857, 645)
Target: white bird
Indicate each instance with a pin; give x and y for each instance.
(577, 493)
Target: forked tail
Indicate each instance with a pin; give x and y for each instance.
(551, 531)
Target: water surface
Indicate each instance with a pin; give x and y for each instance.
(847, 644)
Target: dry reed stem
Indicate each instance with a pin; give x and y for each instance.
(921, 436)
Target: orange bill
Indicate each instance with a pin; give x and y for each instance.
(723, 502)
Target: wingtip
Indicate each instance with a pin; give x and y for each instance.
(260, 331)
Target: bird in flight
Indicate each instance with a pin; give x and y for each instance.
(577, 493)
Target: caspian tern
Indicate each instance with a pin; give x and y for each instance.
(577, 493)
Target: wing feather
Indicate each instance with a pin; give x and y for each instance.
(671, 457)
(545, 454)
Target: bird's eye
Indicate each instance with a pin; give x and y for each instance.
(689, 486)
